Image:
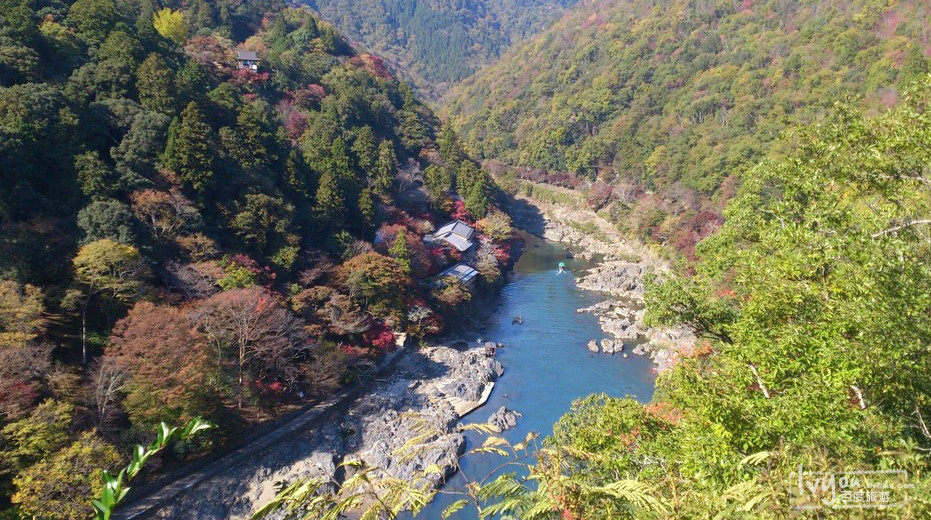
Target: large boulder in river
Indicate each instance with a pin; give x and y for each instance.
(593, 346)
(504, 419)
(607, 346)
(618, 278)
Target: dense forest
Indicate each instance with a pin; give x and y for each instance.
(811, 304)
(436, 43)
(665, 103)
(190, 231)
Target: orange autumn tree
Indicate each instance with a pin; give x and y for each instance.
(168, 361)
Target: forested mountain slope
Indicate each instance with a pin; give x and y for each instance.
(677, 97)
(187, 231)
(437, 42)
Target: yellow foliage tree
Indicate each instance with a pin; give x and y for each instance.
(170, 24)
(21, 313)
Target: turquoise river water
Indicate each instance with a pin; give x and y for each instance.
(546, 364)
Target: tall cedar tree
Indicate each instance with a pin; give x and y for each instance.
(401, 251)
(190, 149)
(330, 204)
(385, 167)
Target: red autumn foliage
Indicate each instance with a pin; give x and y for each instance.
(664, 412)
(502, 253)
(209, 51)
(295, 123)
(459, 212)
(372, 64)
(248, 77)
(261, 339)
(380, 337)
(308, 97)
(17, 397)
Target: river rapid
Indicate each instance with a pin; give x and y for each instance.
(546, 363)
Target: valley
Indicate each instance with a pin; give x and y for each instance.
(529, 259)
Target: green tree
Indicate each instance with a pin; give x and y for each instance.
(385, 168)
(190, 149)
(477, 201)
(466, 177)
(438, 183)
(58, 487)
(191, 82)
(264, 222)
(365, 151)
(806, 354)
(171, 25)
(93, 19)
(376, 282)
(914, 67)
(122, 48)
(367, 210)
(401, 251)
(107, 218)
(450, 148)
(156, 85)
(136, 154)
(252, 142)
(95, 177)
(330, 205)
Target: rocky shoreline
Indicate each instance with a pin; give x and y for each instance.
(620, 273)
(422, 391)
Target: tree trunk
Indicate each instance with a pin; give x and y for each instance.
(241, 356)
(84, 335)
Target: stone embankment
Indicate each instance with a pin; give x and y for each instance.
(622, 267)
(417, 396)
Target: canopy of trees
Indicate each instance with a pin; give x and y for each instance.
(438, 43)
(170, 223)
(667, 102)
(811, 302)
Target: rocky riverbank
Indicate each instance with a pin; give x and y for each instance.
(622, 267)
(423, 389)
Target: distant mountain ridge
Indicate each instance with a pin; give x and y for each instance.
(438, 42)
(675, 98)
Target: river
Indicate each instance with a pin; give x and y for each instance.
(546, 363)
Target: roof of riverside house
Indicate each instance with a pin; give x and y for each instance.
(461, 272)
(457, 233)
(247, 56)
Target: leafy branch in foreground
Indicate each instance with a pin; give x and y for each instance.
(536, 489)
(114, 487)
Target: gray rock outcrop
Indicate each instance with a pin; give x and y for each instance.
(416, 398)
(504, 419)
